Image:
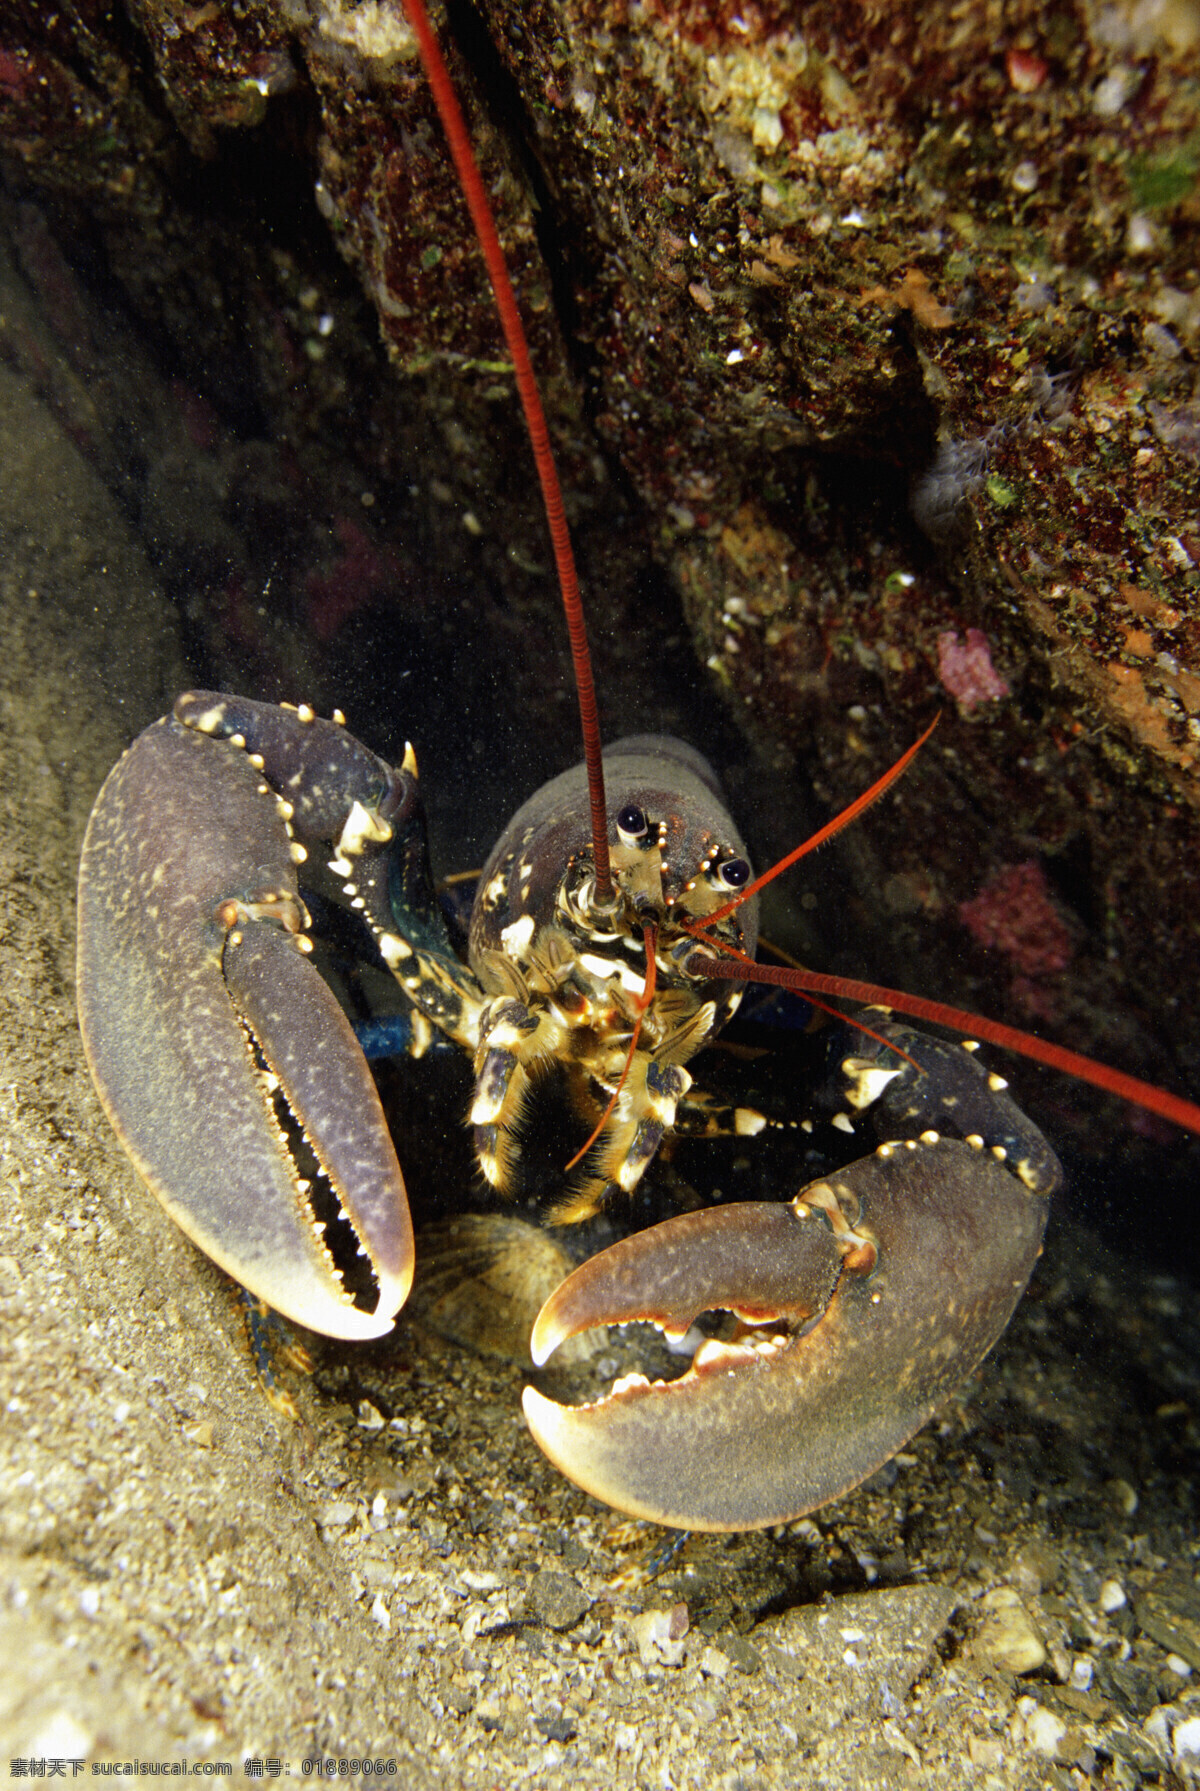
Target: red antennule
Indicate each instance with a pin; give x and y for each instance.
(1142, 1094)
(455, 127)
(848, 814)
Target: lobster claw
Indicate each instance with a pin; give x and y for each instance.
(881, 1288)
(196, 1005)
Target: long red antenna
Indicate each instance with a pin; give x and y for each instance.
(455, 127)
(1142, 1094)
(848, 814)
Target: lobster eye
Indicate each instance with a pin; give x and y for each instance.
(734, 873)
(632, 824)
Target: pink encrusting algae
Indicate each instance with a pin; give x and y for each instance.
(1014, 913)
(965, 668)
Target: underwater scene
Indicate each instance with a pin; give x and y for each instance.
(594, 1327)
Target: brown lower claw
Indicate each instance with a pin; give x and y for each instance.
(857, 1360)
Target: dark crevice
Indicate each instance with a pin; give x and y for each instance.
(558, 237)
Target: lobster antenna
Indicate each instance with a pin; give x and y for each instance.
(848, 814)
(1026, 1044)
(735, 966)
(471, 181)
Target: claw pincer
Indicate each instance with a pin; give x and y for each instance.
(876, 1292)
(198, 1007)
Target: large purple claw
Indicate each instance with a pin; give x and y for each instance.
(194, 1001)
(857, 1358)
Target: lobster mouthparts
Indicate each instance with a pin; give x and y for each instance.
(868, 1330)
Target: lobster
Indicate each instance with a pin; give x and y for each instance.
(613, 935)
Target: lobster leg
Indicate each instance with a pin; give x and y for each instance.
(516, 1042)
(881, 1288)
(195, 1004)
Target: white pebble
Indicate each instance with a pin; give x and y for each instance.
(655, 1645)
(1044, 1731)
(1159, 341)
(381, 1614)
(1008, 1636)
(1180, 1667)
(1114, 90)
(1157, 1728)
(1141, 238)
(481, 1582)
(61, 1737)
(1185, 1742)
(1112, 1597)
(339, 1512)
(1081, 1673)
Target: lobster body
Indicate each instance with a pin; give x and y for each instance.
(868, 1296)
(610, 940)
(571, 979)
(661, 776)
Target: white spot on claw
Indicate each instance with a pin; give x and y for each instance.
(867, 1081)
(362, 827)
